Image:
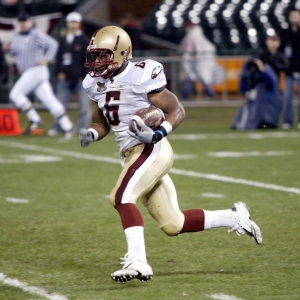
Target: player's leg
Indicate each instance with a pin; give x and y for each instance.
(162, 204)
(144, 166)
(64, 94)
(288, 102)
(204, 69)
(45, 94)
(187, 89)
(18, 95)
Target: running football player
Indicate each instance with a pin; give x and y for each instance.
(119, 88)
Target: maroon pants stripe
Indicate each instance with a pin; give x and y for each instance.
(141, 159)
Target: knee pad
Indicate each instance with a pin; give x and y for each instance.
(171, 229)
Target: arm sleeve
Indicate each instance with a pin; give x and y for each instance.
(150, 78)
(49, 44)
(157, 90)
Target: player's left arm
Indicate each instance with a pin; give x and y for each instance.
(170, 105)
(174, 112)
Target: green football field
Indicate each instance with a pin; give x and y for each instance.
(60, 238)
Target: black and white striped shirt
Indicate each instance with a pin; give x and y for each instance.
(31, 48)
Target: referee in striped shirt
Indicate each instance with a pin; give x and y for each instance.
(33, 50)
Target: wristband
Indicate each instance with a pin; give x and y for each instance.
(94, 133)
(157, 136)
(163, 130)
(167, 126)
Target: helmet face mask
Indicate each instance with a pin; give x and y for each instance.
(109, 48)
(100, 63)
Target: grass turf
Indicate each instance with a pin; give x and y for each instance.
(68, 239)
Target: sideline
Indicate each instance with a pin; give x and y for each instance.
(173, 171)
(30, 289)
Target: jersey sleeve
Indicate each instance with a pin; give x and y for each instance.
(149, 76)
(88, 85)
(48, 43)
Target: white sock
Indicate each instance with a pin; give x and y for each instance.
(30, 111)
(220, 218)
(136, 242)
(65, 123)
(33, 116)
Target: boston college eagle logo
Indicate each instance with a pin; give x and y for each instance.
(101, 87)
(156, 71)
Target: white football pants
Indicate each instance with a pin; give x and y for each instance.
(36, 80)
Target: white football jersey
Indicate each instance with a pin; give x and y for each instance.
(127, 93)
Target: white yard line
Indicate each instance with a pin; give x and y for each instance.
(16, 200)
(223, 297)
(30, 289)
(235, 154)
(236, 180)
(212, 195)
(174, 171)
(184, 156)
(237, 135)
(61, 152)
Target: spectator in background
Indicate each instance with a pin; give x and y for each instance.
(273, 56)
(290, 45)
(198, 60)
(70, 71)
(3, 67)
(262, 108)
(33, 51)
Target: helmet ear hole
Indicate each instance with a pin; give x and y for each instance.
(122, 53)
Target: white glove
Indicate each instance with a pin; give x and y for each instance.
(144, 134)
(85, 138)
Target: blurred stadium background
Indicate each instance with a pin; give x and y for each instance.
(238, 28)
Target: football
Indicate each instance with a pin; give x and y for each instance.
(152, 117)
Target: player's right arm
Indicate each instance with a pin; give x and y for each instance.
(99, 123)
(98, 129)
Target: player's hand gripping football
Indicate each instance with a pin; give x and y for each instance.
(141, 131)
(85, 138)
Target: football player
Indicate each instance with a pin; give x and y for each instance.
(119, 88)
